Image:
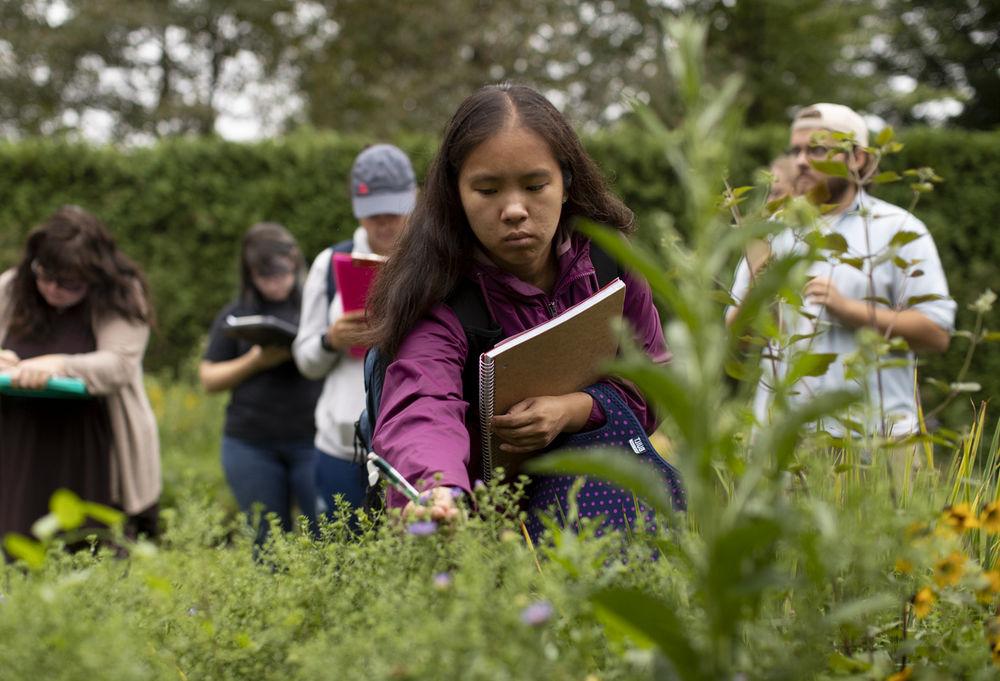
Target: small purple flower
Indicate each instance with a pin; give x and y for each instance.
(442, 581)
(478, 485)
(457, 493)
(422, 528)
(537, 613)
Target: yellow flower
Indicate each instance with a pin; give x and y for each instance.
(960, 517)
(923, 601)
(991, 586)
(903, 566)
(990, 518)
(903, 675)
(949, 569)
(916, 530)
(995, 651)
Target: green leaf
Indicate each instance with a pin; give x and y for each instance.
(922, 187)
(886, 177)
(927, 297)
(642, 262)
(904, 237)
(613, 465)
(861, 610)
(111, 517)
(737, 370)
(884, 136)
(723, 297)
(810, 364)
(943, 386)
(25, 549)
(965, 387)
(992, 336)
(804, 336)
(839, 662)
(835, 242)
(856, 263)
(778, 440)
(878, 299)
(833, 168)
(740, 191)
(68, 508)
(651, 619)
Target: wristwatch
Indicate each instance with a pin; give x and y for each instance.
(324, 342)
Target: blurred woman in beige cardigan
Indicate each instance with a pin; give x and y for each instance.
(76, 306)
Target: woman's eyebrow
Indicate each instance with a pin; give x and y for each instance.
(487, 176)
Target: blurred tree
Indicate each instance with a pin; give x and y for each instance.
(149, 68)
(951, 46)
(384, 65)
(153, 67)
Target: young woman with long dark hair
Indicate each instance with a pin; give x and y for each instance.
(76, 306)
(267, 444)
(498, 210)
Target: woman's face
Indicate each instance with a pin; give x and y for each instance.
(276, 281)
(512, 191)
(60, 292)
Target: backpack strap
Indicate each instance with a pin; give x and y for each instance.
(481, 331)
(331, 280)
(607, 268)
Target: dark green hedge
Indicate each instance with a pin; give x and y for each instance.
(180, 208)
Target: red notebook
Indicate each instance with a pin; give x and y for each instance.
(354, 274)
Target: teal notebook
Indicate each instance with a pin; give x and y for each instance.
(58, 386)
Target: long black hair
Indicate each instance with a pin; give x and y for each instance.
(75, 244)
(438, 243)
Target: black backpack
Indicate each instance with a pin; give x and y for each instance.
(331, 280)
(482, 334)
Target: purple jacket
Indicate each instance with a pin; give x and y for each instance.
(421, 427)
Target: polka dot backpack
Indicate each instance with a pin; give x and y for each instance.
(618, 507)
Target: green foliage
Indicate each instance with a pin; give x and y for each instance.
(181, 207)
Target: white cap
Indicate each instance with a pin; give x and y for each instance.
(833, 117)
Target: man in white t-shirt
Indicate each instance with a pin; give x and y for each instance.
(835, 306)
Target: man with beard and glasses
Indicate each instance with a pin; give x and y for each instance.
(900, 297)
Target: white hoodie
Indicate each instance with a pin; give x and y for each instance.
(343, 397)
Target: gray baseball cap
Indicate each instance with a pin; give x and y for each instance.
(382, 182)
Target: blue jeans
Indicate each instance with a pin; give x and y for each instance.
(272, 473)
(339, 476)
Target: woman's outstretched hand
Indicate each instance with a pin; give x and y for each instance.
(439, 507)
(534, 423)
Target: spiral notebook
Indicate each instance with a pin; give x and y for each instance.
(560, 356)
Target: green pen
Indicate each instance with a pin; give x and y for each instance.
(394, 478)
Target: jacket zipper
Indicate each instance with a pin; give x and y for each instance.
(551, 307)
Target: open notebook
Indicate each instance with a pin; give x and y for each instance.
(261, 329)
(560, 356)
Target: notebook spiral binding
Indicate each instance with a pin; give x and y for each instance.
(486, 399)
